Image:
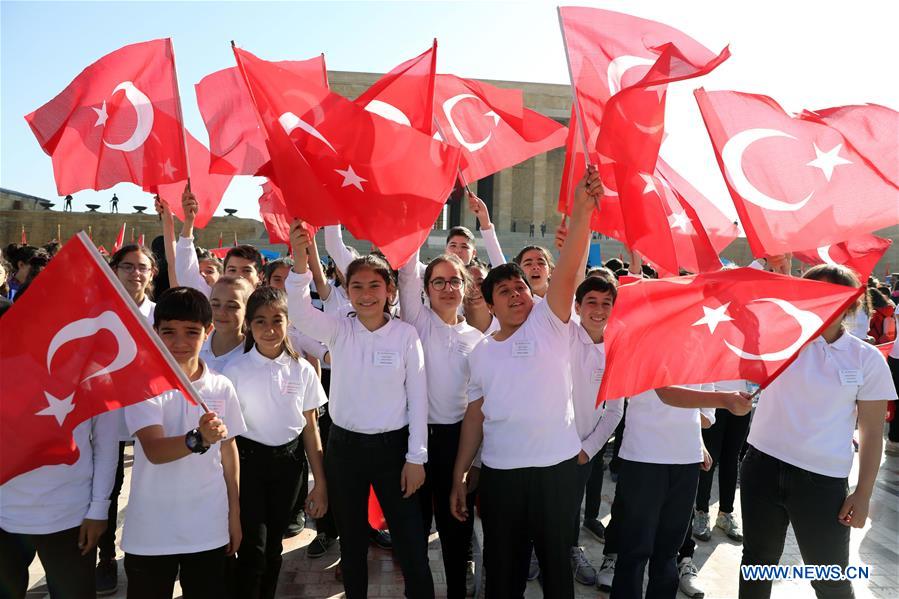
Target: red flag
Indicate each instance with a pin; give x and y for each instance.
(274, 214)
(860, 254)
(140, 240)
(119, 120)
(91, 354)
(406, 94)
(344, 164)
(805, 181)
(208, 188)
(376, 517)
(886, 348)
(220, 252)
(732, 324)
(236, 143)
(24, 237)
(220, 239)
(120, 240)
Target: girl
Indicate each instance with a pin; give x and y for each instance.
(796, 468)
(135, 267)
(537, 264)
(379, 413)
(229, 302)
(447, 340)
(279, 396)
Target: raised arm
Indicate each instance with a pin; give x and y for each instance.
(318, 275)
(336, 248)
(411, 289)
(168, 236)
(300, 310)
(187, 267)
(488, 232)
(736, 402)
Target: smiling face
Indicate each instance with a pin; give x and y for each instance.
(594, 310)
(512, 302)
(209, 272)
(452, 287)
(184, 339)
(243, 268)
(229, 304)
(461, 246)
(269, 328)
(135, 271)
(537, 268)
(368, 293)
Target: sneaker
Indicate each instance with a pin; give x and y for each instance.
(469, 579)
(701, 526)
(380, 538)
(584, 572)
(606, 572)
(296, 526)
(687, 573)
(729, 525)
(891, 447)
(533, 567)
(107, 577)
(319, 546)
(596, 528)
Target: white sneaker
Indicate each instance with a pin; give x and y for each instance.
(687, 573)
(891, 447)
(469, 579)
(533, 567)
(729, 525)
(701, 526)
(606, 572)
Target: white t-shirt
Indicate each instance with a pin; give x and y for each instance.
(595, 424)
(859, 324)
(54, 498)
(181, 506)
(218, 363)
(656, 433)
(146, 309)
(526, 385)
(273, 395)
(807, 415)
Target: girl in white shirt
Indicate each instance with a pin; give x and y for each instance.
(279, 396)
(379, 408)
(800, 453)
(229, 305)
(135, 267)
(447, 340)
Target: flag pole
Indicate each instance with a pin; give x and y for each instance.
(577, 105)
(324, 70)
(103, 267)
(180, 114)
(59, 233)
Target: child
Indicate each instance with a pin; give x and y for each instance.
(135, 267)
(279, 394)
(184, 461)
(228, 301)
(447, 340)
(276, 271)
(379, 411)
(537, 264)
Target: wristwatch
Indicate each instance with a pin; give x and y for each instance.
(194, 441)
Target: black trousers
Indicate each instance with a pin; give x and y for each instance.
(326, 524)
(106, 543)
(455, 536)
(893, 434)
(723, 440)
(584, 474)
(773, 495)
(656, 502)
(202, 575)
(353, 463)
(523, 505)
(269, 484)
(615, 462)
(593, 494)
(70, 575)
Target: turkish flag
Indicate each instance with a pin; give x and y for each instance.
(405, 95)
(886, 348)
(236, 143)
(120, 240)
(732, 324)
(337, 163)
(119, 120)
(804, 181)
(89, 354)
(860, 254)
(207, 187)
(274, 214)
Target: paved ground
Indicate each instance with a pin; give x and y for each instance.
(877, 545)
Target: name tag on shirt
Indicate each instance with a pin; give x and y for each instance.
(291, 388)
(522, 349)
(386, 358)
(596, 377)
(463, 349)
(851, 377)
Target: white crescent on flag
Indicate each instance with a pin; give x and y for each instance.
(809, 323)
(87, 327)
(448, 111)
(144, 109)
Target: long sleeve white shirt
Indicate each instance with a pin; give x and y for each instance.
(187, 267)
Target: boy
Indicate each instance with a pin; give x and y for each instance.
(183, 512)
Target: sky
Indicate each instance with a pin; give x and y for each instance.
(803, 54)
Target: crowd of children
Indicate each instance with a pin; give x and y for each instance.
(442, 387)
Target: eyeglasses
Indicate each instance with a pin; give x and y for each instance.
(455, 284)
(130, 268)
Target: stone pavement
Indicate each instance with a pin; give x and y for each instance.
(876, 545)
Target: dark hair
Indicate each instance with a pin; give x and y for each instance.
(614, 264)
(182, 303)
(460, 232)
(52, 247)
(37, 262)
(376, 265)
(529, 248)
(621, 272)
(274, 265)
(503, 272)
(601, 284)
(133, 247)
(21, 253)
(601, 271)
(267, 296)
(5, 305)
(247, 252)
(838, 275)
(447, 259)
(649, 272)
(205, 255)
(878, 299)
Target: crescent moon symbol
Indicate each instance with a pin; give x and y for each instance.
(448, 111)
(87, 327)
(388, 111)
(824, 254)
(144, 109)
(289, 121)
(621, 65)
(732, 157)
(809, 322)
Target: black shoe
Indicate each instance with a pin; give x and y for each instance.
(295, 527)
(107, 577)
(319, 546)
(596, 528)
(380, 538)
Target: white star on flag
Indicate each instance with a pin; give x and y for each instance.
(351, 178)
(650, 184)
(168, 168)
(679, 220)
(826, 161)
(58, 408)
(101, 114)
(713, 317)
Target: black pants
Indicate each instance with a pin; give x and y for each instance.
(893, 434)
(773, 495)
(106, 543)
(584, 474)
(523, 505)
(455, 536)
(326, 525)
(353, 463)
(593, 494)
(656, 502)
(202, 575)
(70, 575)
(615, 462)
(723, 440)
